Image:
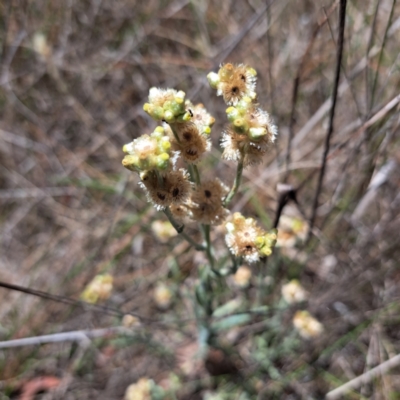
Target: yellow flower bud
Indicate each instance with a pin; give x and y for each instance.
(169, 116)
(207, 130)
(130, 162)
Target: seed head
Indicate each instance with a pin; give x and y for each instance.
(205, 204)
(234, 82)
(179, 211)
(170, 188)
(192, 143)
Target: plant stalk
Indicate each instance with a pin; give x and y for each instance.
(236, 184)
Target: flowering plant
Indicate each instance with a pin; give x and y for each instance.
(167, 162)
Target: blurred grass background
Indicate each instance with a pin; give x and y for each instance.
(74, 76)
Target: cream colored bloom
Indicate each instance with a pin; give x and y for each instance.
(163, 230)
(290, 230)
(293, 292)
(141, 390)
(308, 326)
(129, 321)
(99, 288)
(246, 239)
(242, 277)
(233, 82)
(40, 45)
(162, 296)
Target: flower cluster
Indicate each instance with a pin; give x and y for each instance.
(251, 132)
(167, 105)
(247, 240)
(307, 326)
(233, 82)
(149, 152)
(185, 136)
(189, 141)
(205, 205)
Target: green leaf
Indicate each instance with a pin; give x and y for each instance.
(228, 308)
(231, 322)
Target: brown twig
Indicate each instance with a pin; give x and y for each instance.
(364, 378)
(296, 86)
(342, 20)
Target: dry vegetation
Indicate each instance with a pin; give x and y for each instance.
(70, 211)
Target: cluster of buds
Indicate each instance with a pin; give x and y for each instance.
(251, 131)
(167, 105)
(149, 152)
(185, 134)
(247, 240)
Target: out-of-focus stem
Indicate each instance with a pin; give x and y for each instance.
(191, 173)
(206, 232)
(196, 174)
(179, 228)
(236, 184)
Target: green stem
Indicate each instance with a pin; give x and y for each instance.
(236, 184)
(175, 133)
(180, 228)
(196, 174)
(160, 180)
(206, 233)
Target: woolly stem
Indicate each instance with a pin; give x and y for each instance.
(236, 184)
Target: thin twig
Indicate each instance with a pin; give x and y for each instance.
(67, 300)
(73, 336)
(381, 55)
(364, 378)
(296, 85)
(342, 19)
(369, 46)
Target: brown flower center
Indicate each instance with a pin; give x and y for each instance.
(187, 136)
